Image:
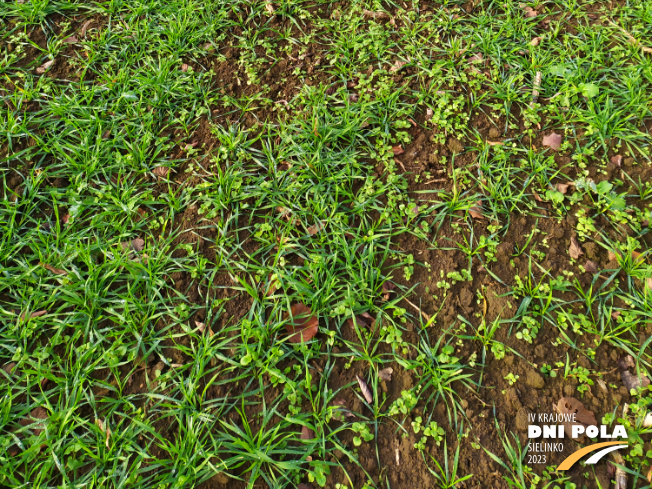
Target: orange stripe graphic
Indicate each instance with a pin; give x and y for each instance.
(574, 457)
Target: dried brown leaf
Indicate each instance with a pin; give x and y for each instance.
(375, 15)
(647, 421)
(70, 40)
(388, 287)
(536, 41)
(570, 405)
(575, 249)
(315, 228)
(303, 325)
(591, 266)
(398, 150)
(626, 362)
(9, 368)
(398, 64)
(137, 244)
(562, 187)
(338, 413)
(364, 320)
(494, 143)
(476, 58)
(104, 428)
(44, 67)
(365, 390)
(85, 27)
(552, 140)
(269, 7)
(184, 67)
(476, 211)
(37, 314)
(50, 268)
(528, 11)
(161, 172)
(37, 414)
(633, 382)
(201, 327)
(616, 160)
(307, 433)
(386, 374)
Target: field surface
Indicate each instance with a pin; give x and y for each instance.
(303, 244)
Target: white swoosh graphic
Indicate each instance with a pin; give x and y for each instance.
(597, 456)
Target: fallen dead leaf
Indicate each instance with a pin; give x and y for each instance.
(570, 405)
(36, 314)
(476, 211)
(575, 249)
(161, 172)
(616, 160)
(562, 187)
(631, 381)
(634, 382)
(70, 40)
(104, 428)
(303, 325)
(9, 368)
(647, 421)
(536, 41)
(388, 287)
(626, 362)
(375, 15)
(386, 374)
(315, 228)
(528, 11)
(50, 268)
(398, 150)
(85, 27)
(338, 413)
(537, 197)
(494, 143)
(364, 320)
(552, 140)
(44, 67)
(365, 390)
(274, 284)
(621, 476)
(591, 267)
(137, 244)
(307, 433)
(648, 283)
(397, 66)
(37, 414)
(184, 67)
(476, 58)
